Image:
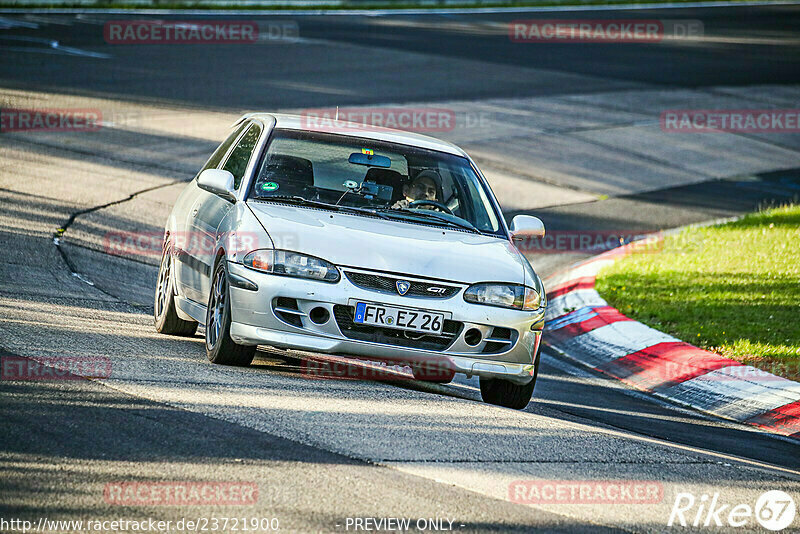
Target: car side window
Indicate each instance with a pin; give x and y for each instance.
(215, 159)
(237, 161)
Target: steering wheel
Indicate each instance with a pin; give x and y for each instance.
(437, 205)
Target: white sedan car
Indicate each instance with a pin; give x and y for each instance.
(375, 244)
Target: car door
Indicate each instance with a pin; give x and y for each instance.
(184, 243)
(210, 209)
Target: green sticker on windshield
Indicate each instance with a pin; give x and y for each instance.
(270, 186)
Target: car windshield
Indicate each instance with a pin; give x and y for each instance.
(393, 180)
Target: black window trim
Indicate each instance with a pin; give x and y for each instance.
(225, 155)
(249, 124)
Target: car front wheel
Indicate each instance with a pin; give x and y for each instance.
(164, 314)
(504, 393)
(220, 348)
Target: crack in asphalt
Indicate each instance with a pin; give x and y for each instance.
(100, 251)
(59, 234)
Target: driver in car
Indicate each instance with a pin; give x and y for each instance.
(423, 187)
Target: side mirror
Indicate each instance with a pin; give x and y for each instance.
(524, 226)
(218, 182)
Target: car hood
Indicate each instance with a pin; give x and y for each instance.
(391, 246)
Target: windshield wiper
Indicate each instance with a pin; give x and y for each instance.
(296, 199)
(431, 215)
(383, 213)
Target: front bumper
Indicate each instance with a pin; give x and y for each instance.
(255, 321)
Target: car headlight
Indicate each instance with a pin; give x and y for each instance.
(504, 296)
(291, 264)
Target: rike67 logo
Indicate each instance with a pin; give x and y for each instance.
(774, 510)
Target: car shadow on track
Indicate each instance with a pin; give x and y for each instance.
(311, 366)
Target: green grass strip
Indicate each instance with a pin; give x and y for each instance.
(733, 289)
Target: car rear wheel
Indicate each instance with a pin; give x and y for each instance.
(164, 314)
(220, 348)
(504, 393)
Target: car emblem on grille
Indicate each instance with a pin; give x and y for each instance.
(403, 286)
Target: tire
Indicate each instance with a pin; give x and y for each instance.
(436, 375)
(220, 348)
(508, 394)
(164, 315)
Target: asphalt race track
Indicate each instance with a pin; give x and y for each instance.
(568, 132)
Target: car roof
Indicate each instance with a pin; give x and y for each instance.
(300, 122)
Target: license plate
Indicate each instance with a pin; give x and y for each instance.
(402, 318)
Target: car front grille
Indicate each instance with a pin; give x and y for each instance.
(388, 284)
(392, 336)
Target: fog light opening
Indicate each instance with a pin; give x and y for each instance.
(319, 315)
(473, 336)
